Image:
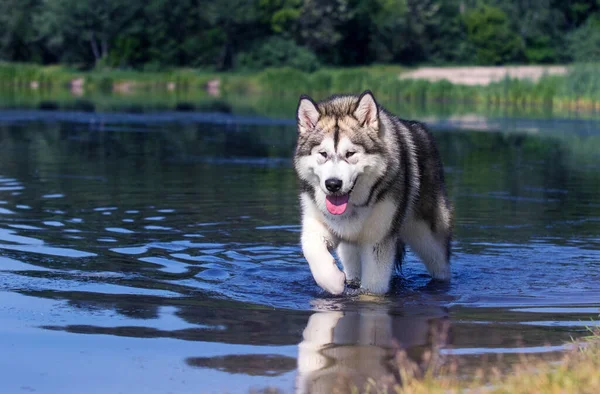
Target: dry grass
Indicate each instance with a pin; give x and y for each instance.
(577, 371)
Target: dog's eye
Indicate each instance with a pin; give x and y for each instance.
(324, 154)
(349, 154)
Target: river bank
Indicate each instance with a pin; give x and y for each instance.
(575, 372)
(575, 87)
(571, 372)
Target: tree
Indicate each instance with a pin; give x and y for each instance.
(281, 15)
(385, 21)
(436, 32)
(541, 27)
(490, 33)
(584, 43)
(320, 25)
(405, 31)
(95, 23)
(19, 40)
(276, 51)
(224, 34)
(178, 33)
(576, 12)
(239, 24)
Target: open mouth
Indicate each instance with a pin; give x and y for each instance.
(337, 204)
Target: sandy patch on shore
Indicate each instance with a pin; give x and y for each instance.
(482, 75)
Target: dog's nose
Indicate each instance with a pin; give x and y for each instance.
(333, 184)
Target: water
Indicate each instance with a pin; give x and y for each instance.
(159, 253)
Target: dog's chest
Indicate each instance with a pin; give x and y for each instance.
(365, 225)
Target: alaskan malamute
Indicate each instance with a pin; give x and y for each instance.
(370, 183)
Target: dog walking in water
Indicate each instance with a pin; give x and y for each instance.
(370, 183)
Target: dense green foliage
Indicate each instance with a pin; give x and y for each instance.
(251, 34)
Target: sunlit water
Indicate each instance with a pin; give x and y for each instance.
(159, 253)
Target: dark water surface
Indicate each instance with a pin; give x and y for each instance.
(159, 254)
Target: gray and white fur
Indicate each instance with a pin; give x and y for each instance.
(370, 183)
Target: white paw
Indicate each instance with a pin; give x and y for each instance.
(332, 281)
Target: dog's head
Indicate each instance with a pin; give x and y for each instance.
(340, 151)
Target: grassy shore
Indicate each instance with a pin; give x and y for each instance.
(31, 76)
(577, 371)
(578, 89)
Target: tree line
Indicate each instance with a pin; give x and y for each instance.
(303, 34)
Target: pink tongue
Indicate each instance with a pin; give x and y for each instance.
(336, 205)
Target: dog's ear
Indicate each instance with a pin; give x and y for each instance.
(367, 111)
(307, 114)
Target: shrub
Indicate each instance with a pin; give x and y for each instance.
(489, 31)
(584, 43)
(277, 52)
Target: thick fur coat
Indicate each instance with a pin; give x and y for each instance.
(370, 184)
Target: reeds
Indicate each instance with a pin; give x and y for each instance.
(579, 89)
(29, 76)
(577, 371)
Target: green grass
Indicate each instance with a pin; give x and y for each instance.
(23, 76)
(578, 89)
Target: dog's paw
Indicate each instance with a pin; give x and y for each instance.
(333, 282)
(375, 288)
(353, 283)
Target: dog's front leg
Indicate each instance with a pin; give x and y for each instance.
(377, 265)
(349, 255)
(317, 240)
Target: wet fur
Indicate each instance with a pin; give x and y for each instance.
(398, 196)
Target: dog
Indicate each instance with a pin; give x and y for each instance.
(370, 183)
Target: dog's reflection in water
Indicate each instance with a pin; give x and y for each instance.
(348, 349)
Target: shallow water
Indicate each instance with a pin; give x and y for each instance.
(159, 253)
